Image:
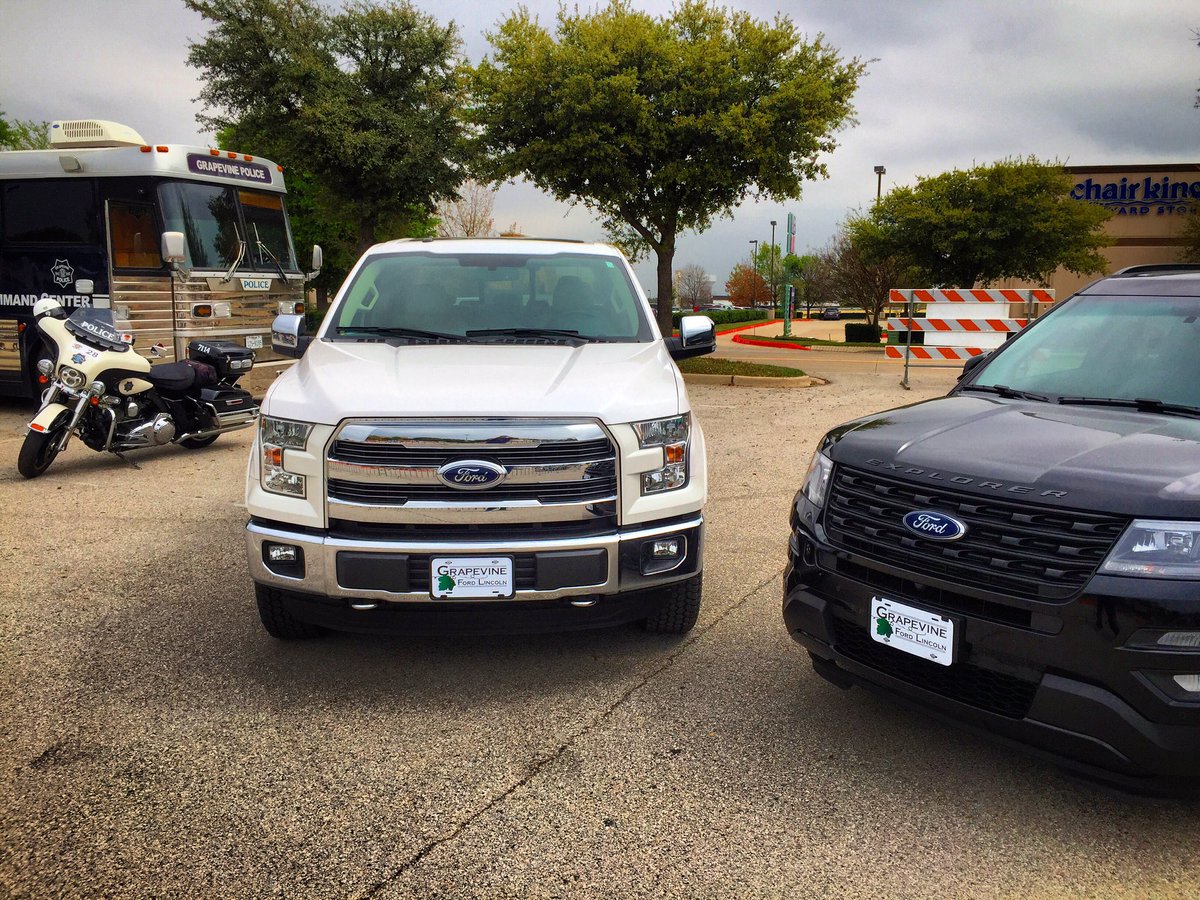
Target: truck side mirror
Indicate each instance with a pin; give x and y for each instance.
(289, 336)
(318, 260)
(697, 336)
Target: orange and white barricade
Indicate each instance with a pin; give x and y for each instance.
(960, 323)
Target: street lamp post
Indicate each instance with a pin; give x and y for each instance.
(774, 299)
(754, 284)
(880, 171)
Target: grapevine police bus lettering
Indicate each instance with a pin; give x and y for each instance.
(83, 223)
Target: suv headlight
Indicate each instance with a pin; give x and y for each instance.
(275, 436)
(816, 482)
(1152, 549)
(672, 435)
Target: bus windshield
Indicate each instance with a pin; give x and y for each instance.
(214, 218)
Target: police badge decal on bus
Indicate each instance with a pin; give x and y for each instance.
(175, 246)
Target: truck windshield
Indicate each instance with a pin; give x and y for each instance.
(493, 297)
(1112, 348)
(214, 218)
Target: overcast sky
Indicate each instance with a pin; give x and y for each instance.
(1093, 82)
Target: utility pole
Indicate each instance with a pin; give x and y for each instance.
(754, 283)
(774, 298)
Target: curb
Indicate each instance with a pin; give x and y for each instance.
(759, 342)
(801, 381)
(735, 329)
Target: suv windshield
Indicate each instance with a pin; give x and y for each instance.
(492, 297)
(1113, 348)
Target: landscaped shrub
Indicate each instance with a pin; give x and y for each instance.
(722, 316)
(862, 333)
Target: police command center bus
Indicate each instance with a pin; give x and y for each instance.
(179, 242)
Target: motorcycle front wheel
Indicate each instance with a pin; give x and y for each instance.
(39, 450)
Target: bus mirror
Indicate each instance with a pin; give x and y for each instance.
(318, 259)
(172, 247)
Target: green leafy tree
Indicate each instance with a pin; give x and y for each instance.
(1010, 219)
(365, 100)
(660, 124)
(24, 134)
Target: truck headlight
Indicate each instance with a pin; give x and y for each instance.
(672, 435)
(816, 482)
(275, 436)
(1152, 549)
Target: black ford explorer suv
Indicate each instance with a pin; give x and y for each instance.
(1023, 555)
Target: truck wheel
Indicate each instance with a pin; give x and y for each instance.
(278, 622)
(680, 607)
(39, 450)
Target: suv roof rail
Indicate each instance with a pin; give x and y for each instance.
(1156, 269)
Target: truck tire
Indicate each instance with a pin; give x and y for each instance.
(278, 622)
(680, 607)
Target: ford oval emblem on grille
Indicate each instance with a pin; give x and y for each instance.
(471, 474)
(935, 526)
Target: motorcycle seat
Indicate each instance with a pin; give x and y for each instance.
(181, 376)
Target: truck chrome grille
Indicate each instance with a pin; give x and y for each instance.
(1011, 547)
(554, 471)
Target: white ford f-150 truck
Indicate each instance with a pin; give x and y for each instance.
(483, 435)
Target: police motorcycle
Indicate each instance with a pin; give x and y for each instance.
(115, 400)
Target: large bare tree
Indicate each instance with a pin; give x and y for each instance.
(469, 214)
(695, 286)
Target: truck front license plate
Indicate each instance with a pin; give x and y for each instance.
(467, 577)
(912, 630)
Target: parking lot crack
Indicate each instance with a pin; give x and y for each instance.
(541, 762)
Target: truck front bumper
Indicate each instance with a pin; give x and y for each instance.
(364, 575)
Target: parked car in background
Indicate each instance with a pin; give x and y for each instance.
(833, 311)
(1023, 555)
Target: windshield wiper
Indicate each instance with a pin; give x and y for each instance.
(1007, 392)
(263, 248)
(562, 333)
(1141, 404)
(400, 331)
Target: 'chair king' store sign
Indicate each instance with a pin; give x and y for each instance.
(1152, 195)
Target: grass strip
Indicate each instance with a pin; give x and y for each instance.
(709, 366)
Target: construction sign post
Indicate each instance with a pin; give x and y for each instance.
(959, 323)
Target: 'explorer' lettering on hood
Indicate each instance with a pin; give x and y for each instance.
(963, 479)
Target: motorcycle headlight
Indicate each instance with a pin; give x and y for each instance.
(816, 482)
(72, 378)
(1153, 549)
(672, 435)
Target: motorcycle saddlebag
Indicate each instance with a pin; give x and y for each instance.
(230, 359)
(228, 400)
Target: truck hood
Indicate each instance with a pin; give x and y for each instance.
(1091, 458)
(615, 383)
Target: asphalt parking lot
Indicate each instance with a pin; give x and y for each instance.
(154, 740)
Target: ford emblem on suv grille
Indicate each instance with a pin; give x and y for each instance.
(471, 474)
(935, 526)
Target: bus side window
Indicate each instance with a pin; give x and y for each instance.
(134, 235)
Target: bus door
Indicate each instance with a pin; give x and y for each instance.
(142, 301)
(51, 240)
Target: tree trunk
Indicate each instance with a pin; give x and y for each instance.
(366, 233)
(666, 284)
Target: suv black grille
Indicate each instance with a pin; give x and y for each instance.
(995, 692)
(1012, 547)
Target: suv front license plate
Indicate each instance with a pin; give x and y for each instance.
(470, 577)
(912, 630)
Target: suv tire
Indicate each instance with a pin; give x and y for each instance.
(680, 607)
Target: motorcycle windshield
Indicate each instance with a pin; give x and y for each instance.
(95, 327)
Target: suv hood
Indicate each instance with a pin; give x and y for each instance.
(338, 380)
(1094, 458)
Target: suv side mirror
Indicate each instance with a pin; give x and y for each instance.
(697, 336)
(289, 336)
(972, 364)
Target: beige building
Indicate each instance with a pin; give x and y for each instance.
(1149, 204)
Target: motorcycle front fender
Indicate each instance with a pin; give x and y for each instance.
(47, 416)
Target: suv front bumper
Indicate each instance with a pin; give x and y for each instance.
(1064, 686)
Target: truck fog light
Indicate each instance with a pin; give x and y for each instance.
(665, 549)
(281, 553)
(1190, 683)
